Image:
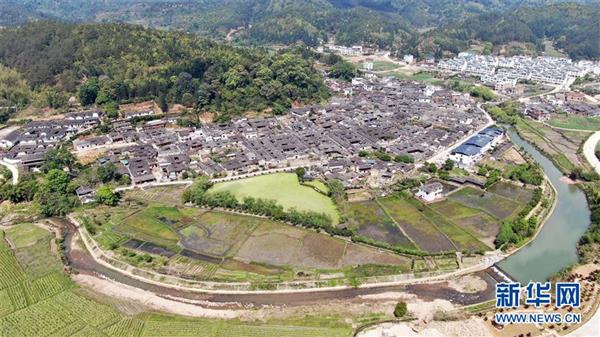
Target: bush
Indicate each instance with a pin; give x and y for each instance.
(401, 309)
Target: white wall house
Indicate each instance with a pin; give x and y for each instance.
(430, 192)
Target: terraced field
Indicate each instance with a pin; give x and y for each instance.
(51, 305)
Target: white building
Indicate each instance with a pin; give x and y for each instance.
(430, 192)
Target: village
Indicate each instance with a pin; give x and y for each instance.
(372, 131)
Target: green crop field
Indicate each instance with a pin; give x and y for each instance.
(576, 123)
(25, 234)
(52, 305)
(483, 225)
(283, 188)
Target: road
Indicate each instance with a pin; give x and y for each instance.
(589, 151)
(13, 169)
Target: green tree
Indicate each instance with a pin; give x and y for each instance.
(448, 165)
(106, 195)
(163, 104)
(300, 172)
(58, 159)
(343, 70)
(88, 92)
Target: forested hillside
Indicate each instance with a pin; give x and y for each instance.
(112, 63)
(384, 23)
(574, 28)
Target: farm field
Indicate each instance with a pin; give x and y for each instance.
(283, 188)
(561, 146)
(483, 225)
(416, 225)
(495, 205)
(520, 194)
(318, 184)
(52, 305)
(168, 195)
(215, 245)
(576, 123)
(371, 221)
(274, 244)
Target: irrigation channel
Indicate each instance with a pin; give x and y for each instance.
(555, 247)
(552, 250)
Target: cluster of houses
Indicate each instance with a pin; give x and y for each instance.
(506, 71)
(28, 145)
(473, 149)
(372, 116)
(379, 115)
(542, 108)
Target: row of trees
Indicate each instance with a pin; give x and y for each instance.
(198, 194)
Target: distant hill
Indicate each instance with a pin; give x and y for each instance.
(574, 28)
(416, 26)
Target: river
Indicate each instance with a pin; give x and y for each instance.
(555, 246)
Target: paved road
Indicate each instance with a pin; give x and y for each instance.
(589, 151)
(14, 169)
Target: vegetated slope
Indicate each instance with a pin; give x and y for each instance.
(119, 62)
(572, 27)
(385, 23)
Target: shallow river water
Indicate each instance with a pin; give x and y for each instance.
(555, 246)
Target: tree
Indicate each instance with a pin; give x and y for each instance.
(343, 70)
(107, 172)
(58, 159)
(88, 92)
(300, 172)
(404, 158)
(401, 309)
(106, 195)
(336, 189)
(163, 104)
(448, 165)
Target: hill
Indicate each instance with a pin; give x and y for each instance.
(116, 63)
(575, 28)
(384, 23)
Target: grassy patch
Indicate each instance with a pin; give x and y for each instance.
(576, 123)
(25, 234)
(283, 188)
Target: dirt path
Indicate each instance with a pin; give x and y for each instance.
(589, 151)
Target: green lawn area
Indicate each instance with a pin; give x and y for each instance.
(385, 65)
(576, 123)
(422, 76)
(318, 184)
(283, 188)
